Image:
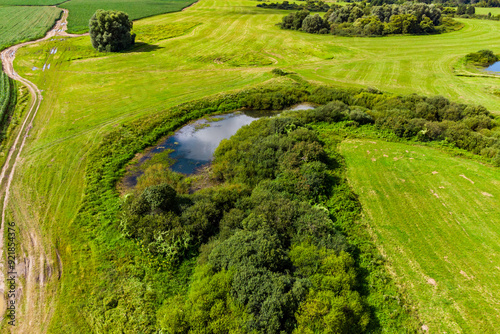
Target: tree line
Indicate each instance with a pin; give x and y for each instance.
(361, 20)
(310, 5)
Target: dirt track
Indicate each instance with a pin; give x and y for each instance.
(33, 251)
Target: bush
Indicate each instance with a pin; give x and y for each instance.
(361, 117)
(278, 72)
(315, 24)
(294, 21)
(496, 160)
(331, 305)
(482, 58)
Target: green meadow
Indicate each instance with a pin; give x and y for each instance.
(220, 46)
(23, 23)
(485, 11)
(435, 218)
(238, 36)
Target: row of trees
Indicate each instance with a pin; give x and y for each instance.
(359, 20)
(310, 5)
(428, 119)
(488, 3)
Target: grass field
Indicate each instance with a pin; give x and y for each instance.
(435, 217)
(19, 24)
(235, 33)
(230, 45)
(485, 11)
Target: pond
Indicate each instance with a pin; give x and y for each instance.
(494, 67)
(192, 146)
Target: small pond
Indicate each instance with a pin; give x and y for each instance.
(494, 67)
(192, 146)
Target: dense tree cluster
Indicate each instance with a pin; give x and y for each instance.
(110, 31)
(468, 127)
(270, 257)
(488, 3)
(482, 58)
(466, 9)
(359, 20)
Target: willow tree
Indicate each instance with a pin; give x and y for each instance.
(110, 31)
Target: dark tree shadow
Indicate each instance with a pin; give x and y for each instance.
(143, 47)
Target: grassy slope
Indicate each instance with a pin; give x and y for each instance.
(19, 24)
(83, 99)
(451, 237)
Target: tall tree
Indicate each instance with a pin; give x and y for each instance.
(110, 31)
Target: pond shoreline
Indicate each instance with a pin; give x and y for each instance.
(190, 148)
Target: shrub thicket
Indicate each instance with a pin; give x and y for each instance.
(482, 58)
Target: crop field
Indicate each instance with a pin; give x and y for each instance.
(7, 95)
(218, 46)
(18, 24)
(29, 2)
(82, 10)
(435, 218)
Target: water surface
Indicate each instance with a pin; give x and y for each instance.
(493, 67)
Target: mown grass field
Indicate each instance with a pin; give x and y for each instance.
(23, 23)
(230, 45)
(435, 217)
(485, 11)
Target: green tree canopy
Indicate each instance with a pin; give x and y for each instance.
(110, 31)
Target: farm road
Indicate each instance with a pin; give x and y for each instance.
(32, 249)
